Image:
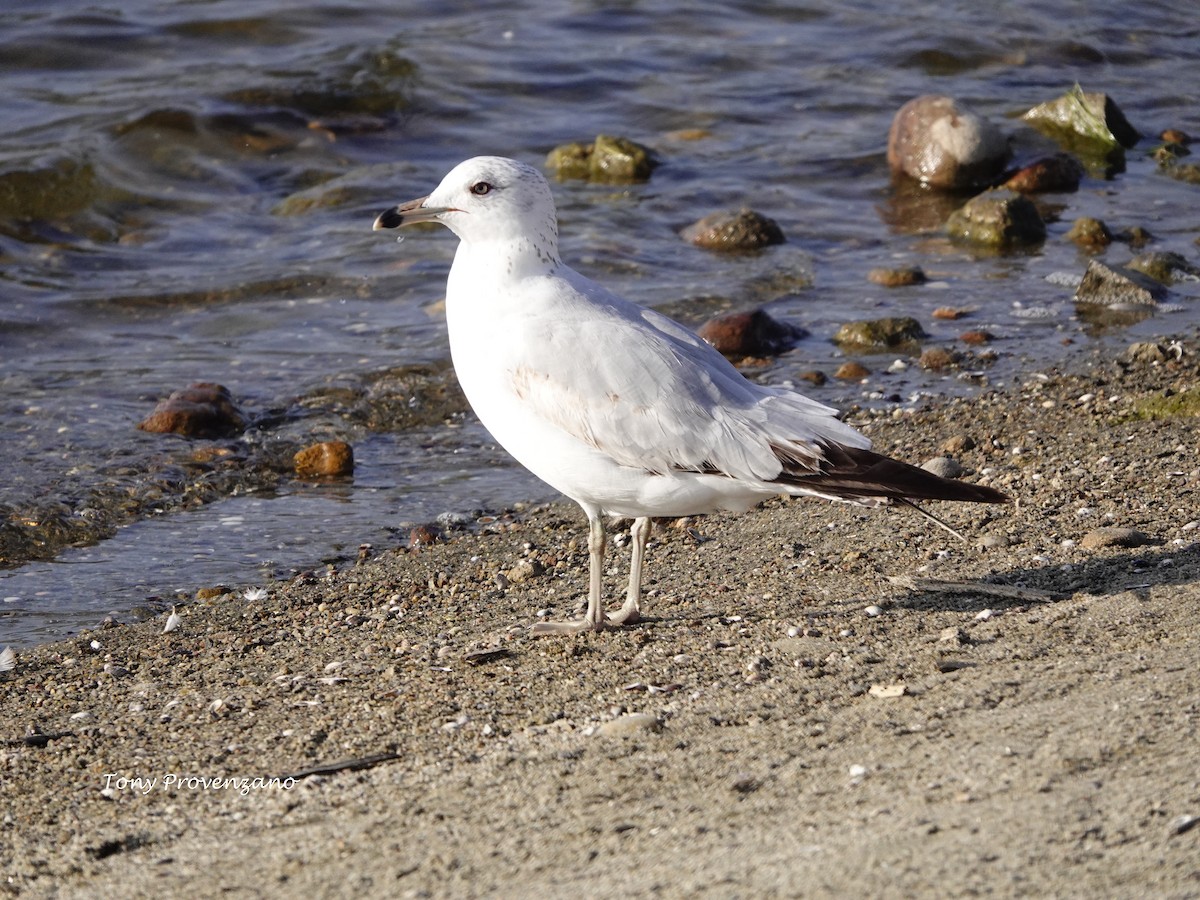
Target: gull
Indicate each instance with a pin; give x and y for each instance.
(618, 407)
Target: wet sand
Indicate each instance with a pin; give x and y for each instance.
(788, 721)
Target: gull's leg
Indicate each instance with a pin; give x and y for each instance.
(594, 619)
(630, 613)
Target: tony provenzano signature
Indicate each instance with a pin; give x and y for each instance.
(115, 783)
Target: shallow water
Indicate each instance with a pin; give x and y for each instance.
(187, 190)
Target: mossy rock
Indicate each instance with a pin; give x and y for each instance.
(1090, 233)
(999, 219)
(1167, 406)
(1185, 172)
(1088, 122)
(880, 334)
(1164, 266)
(609, 160)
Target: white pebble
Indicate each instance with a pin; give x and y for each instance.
(633, 723)
(874, 610)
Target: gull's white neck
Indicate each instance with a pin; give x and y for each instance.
(498, 261)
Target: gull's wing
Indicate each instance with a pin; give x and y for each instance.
(651, 395)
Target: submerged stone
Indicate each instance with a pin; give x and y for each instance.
(905, 276)
(744, 229)
(1164, 266)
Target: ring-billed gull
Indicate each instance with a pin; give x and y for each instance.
(621, 409)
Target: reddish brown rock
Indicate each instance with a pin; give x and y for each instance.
(201, 410)
(976, 338)
(949, 312)
(744, 229)
(851, 371)
(753, 333)
(326, 459)
(958, 443)
(423, 535)
(1060, 172)
(937, 142)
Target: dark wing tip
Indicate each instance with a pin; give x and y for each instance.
(852, 473)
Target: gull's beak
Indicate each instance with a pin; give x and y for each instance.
(409, 213)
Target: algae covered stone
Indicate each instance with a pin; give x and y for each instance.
(614, 160)
(880, 334)
(1089, 122)
(1090, 233)
(999, 219)
(1164, 266)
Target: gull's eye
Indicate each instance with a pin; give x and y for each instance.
(480, 188)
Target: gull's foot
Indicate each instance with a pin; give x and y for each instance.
(625, 616)
(576, 627)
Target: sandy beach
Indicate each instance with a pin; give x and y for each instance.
(823, 701)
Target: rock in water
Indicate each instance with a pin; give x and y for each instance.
(999, 219)
(202, 410)
(613, 160)
(936, 141)
(1060, 172)
(753, 333)
(880, 334)
(741, 230)
(326, 459)
(1089, 122)
(1114, 286)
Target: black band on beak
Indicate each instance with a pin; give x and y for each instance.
(390, 218)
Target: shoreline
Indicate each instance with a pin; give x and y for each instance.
(787, 720)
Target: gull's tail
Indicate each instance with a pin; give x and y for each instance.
(856, 475)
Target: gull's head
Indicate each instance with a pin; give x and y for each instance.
(488, 198)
